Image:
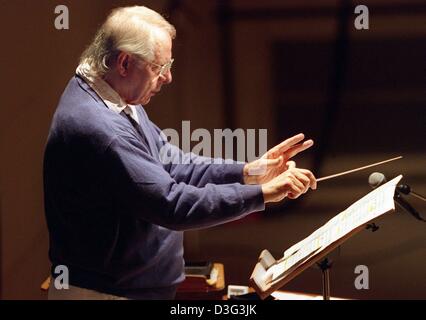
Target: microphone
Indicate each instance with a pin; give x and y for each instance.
(376, 179)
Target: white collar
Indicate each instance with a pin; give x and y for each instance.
(111, 98)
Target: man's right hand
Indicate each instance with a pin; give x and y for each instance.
(291, 183)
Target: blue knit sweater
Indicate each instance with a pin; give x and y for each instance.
(115, 212)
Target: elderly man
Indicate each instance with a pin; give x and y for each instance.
(115, 211)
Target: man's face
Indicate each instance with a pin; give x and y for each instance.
(143, 80)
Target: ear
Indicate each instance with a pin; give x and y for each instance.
(123, 61)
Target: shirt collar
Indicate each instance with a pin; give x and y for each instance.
(111, 98)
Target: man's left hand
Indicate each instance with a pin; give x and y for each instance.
(274, 162)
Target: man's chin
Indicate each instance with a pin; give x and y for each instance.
(143, 101)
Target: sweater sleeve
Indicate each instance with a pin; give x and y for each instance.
(196, 170)
(143, 187)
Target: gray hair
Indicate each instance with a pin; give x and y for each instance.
(129, 29)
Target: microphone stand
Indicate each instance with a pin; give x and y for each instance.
(405, 189)
(325, 266)
(408, 207)
(418, 196)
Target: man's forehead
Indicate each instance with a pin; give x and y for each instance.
(163, 48)
(162, 37)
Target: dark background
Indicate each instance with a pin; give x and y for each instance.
(287, 66)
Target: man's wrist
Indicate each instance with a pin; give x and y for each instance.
(248, 178)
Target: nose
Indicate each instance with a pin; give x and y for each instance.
(167, 77)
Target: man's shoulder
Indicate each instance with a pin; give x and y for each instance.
(82, 116)
(76, 95)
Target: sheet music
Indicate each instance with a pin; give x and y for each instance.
(371, 206)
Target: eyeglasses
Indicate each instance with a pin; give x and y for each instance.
(163, 69)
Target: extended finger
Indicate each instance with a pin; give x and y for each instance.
(285, 145)
(294, 150)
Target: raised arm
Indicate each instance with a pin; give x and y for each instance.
(196, 170)
(151, 193)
